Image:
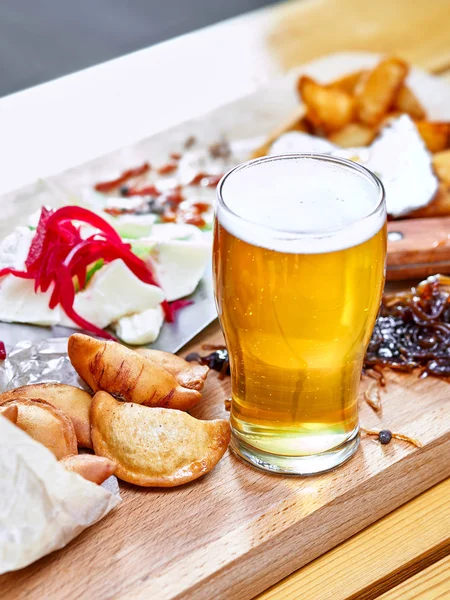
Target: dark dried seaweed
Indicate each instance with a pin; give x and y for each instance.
(412, 332)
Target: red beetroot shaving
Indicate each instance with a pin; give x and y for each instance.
(2, 351)
(109, 186)
(59, 254)
(173, 307)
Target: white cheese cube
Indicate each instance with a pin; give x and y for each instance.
(20, 304)
(114, 292)
(14, 248)
(141, 328)
(179, 266)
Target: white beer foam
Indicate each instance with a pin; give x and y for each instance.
(299, 204)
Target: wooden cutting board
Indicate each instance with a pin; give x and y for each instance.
(418, 248)
(235, 532)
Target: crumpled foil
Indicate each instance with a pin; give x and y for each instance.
(42, 506)
(44, 361)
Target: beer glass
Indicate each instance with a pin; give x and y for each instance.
(299, 265)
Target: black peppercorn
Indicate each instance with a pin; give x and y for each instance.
(124, 190)
(385, 436)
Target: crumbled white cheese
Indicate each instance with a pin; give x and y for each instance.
(142, 328)
(114, 292)
(14, 248)
(179, 266)
(20, 304)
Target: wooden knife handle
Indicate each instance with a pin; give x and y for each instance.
(418, 248)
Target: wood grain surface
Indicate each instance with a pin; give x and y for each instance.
(432, 583)
(423, 248)
(378, 558)
(416, 31)
(238, 530)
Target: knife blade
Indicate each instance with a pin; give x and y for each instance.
(418, 248)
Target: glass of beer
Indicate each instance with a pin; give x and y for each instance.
(299, 266)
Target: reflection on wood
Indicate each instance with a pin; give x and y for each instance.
(416, 31)
(379, 557)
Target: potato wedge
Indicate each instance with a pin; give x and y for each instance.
(188, 374)
(348, 83)
(155, 446)
(353, 135)
(406, 102)
(46, 424)
(73, 401)
(441, 166)
(377, 93)
(436, 135)
(329, 107)
(9, 412)
(127, 375)
(93, 468)
(295, 122)
(438, 207)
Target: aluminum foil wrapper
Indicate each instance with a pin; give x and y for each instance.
(43, 361)
(43, 506)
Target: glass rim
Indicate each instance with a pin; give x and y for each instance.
(342, 162)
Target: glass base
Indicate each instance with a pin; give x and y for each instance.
(296, 465)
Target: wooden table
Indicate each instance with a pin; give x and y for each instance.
(405, 554)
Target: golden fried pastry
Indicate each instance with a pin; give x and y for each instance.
(93, 468)
(188, 374)
(46, 424)
(75, 403)
(9, 412)
(155, 446)
(127, 375)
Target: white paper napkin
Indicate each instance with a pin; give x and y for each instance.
(42, 506)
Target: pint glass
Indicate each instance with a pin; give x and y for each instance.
(299, 265)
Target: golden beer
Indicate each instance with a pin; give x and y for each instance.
(297, 306)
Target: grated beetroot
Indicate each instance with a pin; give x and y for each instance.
(58, 255)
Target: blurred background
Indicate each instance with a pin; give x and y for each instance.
(44, 39)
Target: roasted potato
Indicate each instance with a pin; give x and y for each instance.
(406, 102)
(441, 166)
(327, 107)
(438, 207)
(377, 93)
(436, 135)
(353, 135)
(348, 83)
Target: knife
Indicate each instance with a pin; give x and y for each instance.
(418, 248)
